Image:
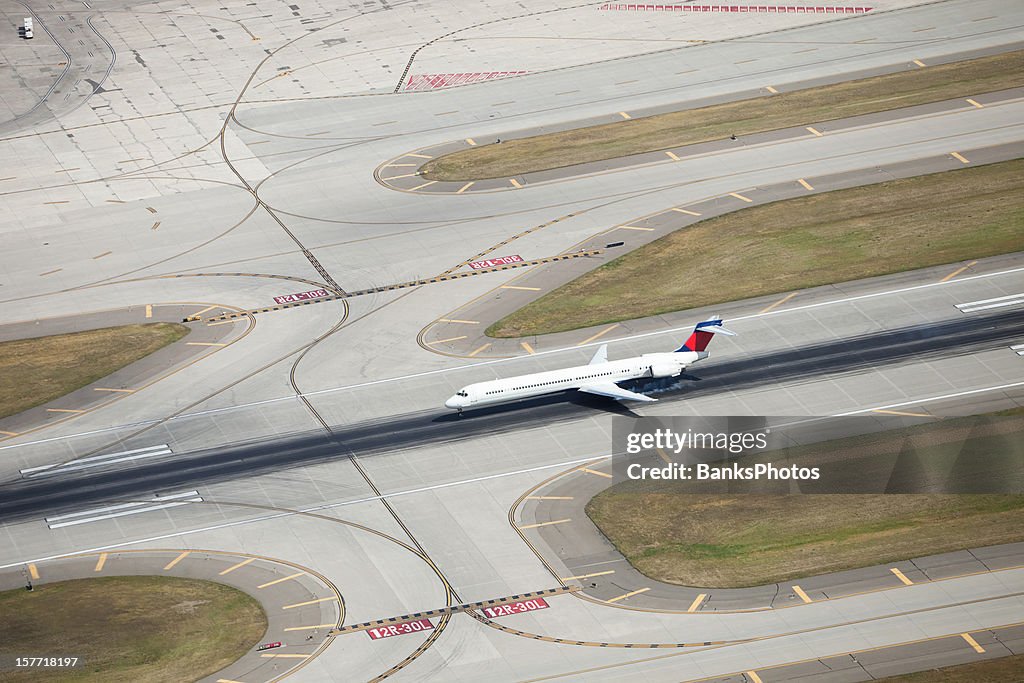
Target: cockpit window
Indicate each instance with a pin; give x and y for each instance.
(462, 393)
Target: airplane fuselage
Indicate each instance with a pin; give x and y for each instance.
(554, 381)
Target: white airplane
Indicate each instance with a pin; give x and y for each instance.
(600, 377)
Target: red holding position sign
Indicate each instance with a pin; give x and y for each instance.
(515, 608)
(301, 296)
(493, 262)
(405, 628)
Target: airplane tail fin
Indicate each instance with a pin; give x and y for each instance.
(702, 334)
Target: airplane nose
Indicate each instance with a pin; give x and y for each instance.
(450, 403)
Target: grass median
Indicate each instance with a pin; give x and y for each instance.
(1000, 670)
(679, 532)
(142, 629)
(797, 108)
(36, 371)
(795, 244)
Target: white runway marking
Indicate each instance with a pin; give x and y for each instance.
(97, 461)
(123, 509)
(985, 304)
(1019, 348)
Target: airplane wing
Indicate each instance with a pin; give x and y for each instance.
(601, 356)
(612, 390)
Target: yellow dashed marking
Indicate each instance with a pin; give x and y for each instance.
(396, 177)
(634, 227)
(33, 571)
(815, 131)
(599, 334)
(959, 157)
(456, 320)
(920, 63)
(204, 344)
(449, 339)
(63, 410)
(310, 628)
(527, 347)
(972, 642)
(754, 678)
(549, 497)
(771, 90)
(737, 195)
(588, 576)
(801, 594)
(975, 104)
(525, 289)
(807, 185)
(957, 272)
(696, 602)
(515, 183)
(117, 391)
(625, 115)
(149, 310)
(900, 412)
(672, 156)
(281, 580)
(779, 302)
(686, 211)
(471, 142)
(237, 566)
(480, 349)
(420, 187)
(419, 156)
(100, 562)
(629, 595)
(179, 558)
(9, 433)
(597, 472)
(311, 602)
(901, 577)
(465, 187)
(534, 526)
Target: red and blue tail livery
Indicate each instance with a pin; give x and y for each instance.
(702, 334)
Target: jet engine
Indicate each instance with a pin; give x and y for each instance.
(665, 369)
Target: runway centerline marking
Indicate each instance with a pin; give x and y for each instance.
(902, 577)
(801, 594)
(696, 602)
(972, 642)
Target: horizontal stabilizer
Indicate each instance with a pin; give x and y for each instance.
(612, 390)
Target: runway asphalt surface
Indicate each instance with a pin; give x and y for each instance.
(52, 492)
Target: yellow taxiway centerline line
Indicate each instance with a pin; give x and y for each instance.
(120, 391)
(525, 289)
(549, 498)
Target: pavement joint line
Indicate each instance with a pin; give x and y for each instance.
(737, 195)
(975, 103)
(526, 347)
(281, 580)
(686, 211)
(629, 594)
(237, 566)
(959, 157)
(779, 302)
(901, 576)
(179, 558)
(958, 271)
(801, 594)
(311, 602)
(696, 602)
(815, 131)
(972, 642)
(540, 524)
(454, 609)
(100, 562)
(597, 472)
(901, 413)
(587, 576)
(599, 334)
(480, 349)
(807, 185)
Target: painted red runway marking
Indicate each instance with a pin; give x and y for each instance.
(515, 608)
(301, 296)
(777, 9)
(492, 262)
(402, 629)
(433, 81)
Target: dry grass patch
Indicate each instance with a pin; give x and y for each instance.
(794, 244)
(1002, 670)
(35, 371)
(798, 108)
(142, 629)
